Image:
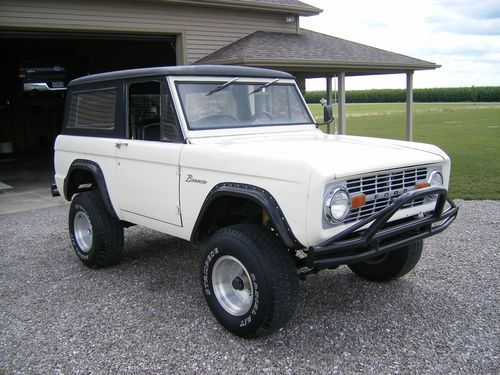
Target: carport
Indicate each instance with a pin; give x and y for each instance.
(309, 54)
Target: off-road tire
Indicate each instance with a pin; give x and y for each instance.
(391, 266)
(103, 245)
(270, 269)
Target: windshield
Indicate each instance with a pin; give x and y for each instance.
(235, 104)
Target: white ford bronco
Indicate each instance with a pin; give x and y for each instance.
(231, 158)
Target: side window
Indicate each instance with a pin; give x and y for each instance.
(93, 110)
(151, 113)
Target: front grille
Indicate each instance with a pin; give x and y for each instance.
(381, 190)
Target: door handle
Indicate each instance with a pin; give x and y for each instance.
(120, 144)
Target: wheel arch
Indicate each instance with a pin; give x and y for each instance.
(85, 172)
(251, 194)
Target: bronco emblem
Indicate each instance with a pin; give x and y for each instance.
(190, 178)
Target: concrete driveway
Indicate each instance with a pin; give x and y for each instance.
(148, 315)
(25, 183)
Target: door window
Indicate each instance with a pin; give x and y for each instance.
(151, 113)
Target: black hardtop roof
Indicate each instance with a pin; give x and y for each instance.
(185, 70)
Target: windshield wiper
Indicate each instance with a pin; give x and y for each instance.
(264, 86)
(222, 87)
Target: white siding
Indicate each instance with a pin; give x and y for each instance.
(203, 29)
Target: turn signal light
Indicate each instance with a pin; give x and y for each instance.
(358, 201)
(422, 185)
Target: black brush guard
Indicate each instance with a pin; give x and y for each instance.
(382, 237)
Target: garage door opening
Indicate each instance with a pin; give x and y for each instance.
(36, 67)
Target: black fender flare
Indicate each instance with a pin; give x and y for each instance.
(96, 171)
(257, 195)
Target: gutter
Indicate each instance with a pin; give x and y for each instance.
(306, 10)
(330, 64)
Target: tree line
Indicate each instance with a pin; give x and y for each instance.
(449, 94)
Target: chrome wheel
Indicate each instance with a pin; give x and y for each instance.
(83, 231)
(232, 285)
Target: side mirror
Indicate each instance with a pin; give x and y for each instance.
(327, 113)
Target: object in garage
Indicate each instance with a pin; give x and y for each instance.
(48, 78)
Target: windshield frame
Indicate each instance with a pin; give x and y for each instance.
(250, 129)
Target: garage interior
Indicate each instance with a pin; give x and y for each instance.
(31, 115)
(31, 119)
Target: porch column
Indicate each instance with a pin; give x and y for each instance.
(300, 79)
(341, 118)
(409, 106)
(329, 99)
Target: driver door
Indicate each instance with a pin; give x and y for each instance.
(148, 161)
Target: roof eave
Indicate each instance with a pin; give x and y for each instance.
(326, 65)
(289, 9)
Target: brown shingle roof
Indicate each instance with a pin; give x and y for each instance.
(312, 50)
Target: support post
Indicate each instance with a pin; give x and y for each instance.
(180, 49)
(329, 99)
(300, 79)
(409, 106)
(341, 117)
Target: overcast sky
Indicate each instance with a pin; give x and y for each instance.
(461, 35)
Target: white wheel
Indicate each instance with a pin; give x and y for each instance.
(232, 285)
(249, 280)
(96, 236)
(83, 231)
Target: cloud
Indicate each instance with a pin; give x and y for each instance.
(484, 9)
(450, 44)
(461, 35)
(465, 25)
(466, 17)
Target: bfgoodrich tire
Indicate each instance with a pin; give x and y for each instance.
(390, 266)
(249, 280)
(96, 236)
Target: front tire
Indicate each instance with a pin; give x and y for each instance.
(249, 280)
(96, 236)
(389, 266)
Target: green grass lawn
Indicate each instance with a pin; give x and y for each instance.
(468, 132)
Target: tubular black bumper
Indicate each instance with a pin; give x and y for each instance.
(382, 237)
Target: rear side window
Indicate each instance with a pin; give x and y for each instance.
(93, 110)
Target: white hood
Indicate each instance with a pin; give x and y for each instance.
(332, 156)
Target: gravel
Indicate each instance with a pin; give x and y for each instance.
(148, 315)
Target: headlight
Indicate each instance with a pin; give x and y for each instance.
(435, 178)
(336, 204)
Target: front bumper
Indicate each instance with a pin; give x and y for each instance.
(381, 236)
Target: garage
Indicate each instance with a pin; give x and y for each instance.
(46, 45)
(36, 67)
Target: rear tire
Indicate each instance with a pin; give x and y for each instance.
(249, 280)
(390, 266)
(96, 236)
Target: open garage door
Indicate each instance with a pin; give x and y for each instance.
(36, 66)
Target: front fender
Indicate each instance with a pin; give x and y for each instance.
(257, 195)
